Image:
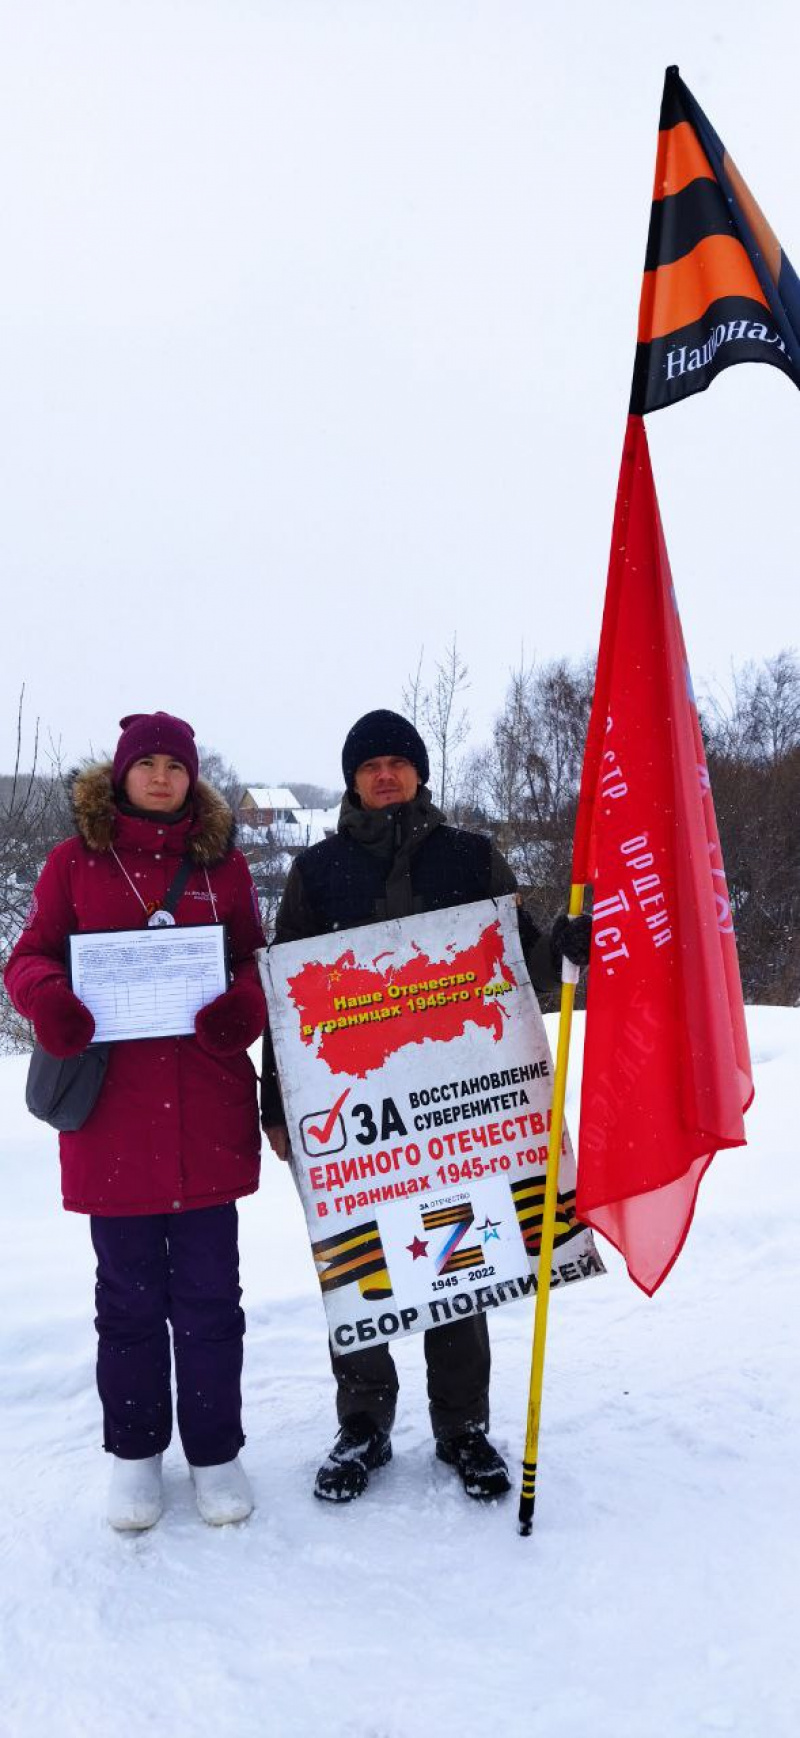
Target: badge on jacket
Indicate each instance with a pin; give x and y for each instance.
(161, 920)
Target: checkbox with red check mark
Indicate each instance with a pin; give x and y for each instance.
(323, 1131)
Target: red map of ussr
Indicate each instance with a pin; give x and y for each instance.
(362, 1014)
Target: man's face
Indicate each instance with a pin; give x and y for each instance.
(384, 780)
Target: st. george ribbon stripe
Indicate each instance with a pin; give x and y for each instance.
(679, 221)
(680, 160)
(346, 1239)
(356, 1254)
(528, 1195)
(436, 1217)
(344, 1274)
(472, 1257)
(676, 295)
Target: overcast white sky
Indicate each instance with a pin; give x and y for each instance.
(317, 323)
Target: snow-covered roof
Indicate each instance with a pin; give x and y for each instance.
(311, 825)
(273, 797)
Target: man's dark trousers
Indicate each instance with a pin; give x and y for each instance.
(458, 1364)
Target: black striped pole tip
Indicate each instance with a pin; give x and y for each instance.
(527, 1498)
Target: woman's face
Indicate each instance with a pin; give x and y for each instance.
(157, 781)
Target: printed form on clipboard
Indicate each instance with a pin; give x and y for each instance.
(148, 983)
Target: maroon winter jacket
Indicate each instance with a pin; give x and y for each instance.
(174, 1127)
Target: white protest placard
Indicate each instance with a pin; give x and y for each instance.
(148, 983)
(417, 1083)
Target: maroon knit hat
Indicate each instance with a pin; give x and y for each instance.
(154, 733)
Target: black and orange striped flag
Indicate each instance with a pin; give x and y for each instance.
(718, 287)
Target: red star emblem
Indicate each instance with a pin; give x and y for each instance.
(417, 1248)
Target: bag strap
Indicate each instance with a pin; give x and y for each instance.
(177, 885)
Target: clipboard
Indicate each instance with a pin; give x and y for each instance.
(148, 983)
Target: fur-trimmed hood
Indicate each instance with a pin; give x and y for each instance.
(210, 838)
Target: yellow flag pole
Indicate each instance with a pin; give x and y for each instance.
(569, 975)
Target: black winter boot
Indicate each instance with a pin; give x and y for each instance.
(482, 1471)
(358, 1450)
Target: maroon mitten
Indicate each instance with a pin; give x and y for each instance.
(234, 1021)
(62, 1024)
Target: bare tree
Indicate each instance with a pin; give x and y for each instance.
(531, 772)
(758, 717)
(776, 706)
(444, 722)
(34, 815)
(414, 693)
(753, 743)
(269, 863)
(219, 773)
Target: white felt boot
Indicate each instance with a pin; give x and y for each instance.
(135, 1496)
(223, 1492)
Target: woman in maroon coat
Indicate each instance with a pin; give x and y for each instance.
(173, 1139)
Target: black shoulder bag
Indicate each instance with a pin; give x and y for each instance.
(63, 1090)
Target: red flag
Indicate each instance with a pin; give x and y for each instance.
(666, 1065)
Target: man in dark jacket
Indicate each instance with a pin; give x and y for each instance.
(393, 855)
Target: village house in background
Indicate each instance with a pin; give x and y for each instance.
(264, 805)
(273, 826)
(276, 810)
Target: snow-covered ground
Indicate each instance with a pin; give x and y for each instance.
(657, 1596)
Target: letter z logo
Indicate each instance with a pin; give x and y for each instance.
(323, 1131)
(456, 1220)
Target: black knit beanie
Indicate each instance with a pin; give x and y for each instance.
(383, 733)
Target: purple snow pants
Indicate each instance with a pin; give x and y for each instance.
(183, 1269)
